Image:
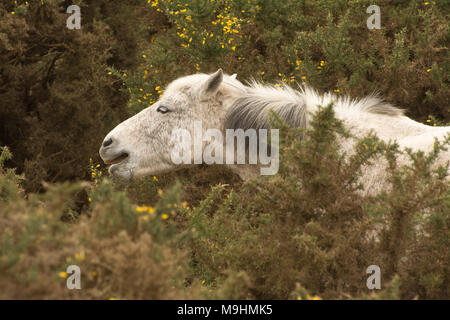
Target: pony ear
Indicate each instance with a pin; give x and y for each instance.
(233, 76)
(213, 83)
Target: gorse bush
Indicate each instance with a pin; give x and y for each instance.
(57, 99)
(122, 250)
(325, 44)
(306, 233)
(310, 225)
(52, 81)
(10, 181)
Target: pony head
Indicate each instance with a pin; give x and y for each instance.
(142, 144)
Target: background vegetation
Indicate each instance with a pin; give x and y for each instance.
(201, 233)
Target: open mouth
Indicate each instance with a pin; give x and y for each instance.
(116, 160)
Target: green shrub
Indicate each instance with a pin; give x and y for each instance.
(123, 251)
(305, 233)
(310, 224)
(58, 101)
(325, 44)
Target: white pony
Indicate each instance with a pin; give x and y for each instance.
(142, 144)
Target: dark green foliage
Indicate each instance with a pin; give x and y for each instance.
(310, 225)
(57, 100)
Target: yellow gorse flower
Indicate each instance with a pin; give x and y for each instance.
(80, 256)
(141, 209)
(145, 209)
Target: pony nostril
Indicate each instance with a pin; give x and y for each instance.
(107, 143)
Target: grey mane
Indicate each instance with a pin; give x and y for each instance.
(251, 110)
(375, 104)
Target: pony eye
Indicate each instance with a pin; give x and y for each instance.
(162, 109)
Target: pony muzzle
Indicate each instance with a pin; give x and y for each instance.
(118, 159)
